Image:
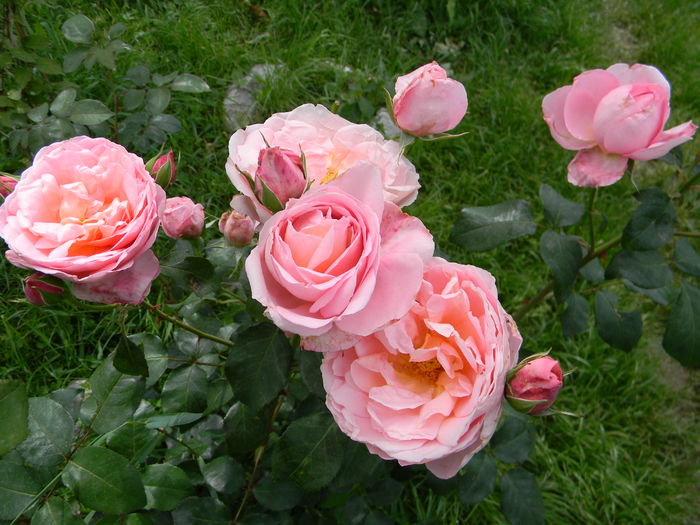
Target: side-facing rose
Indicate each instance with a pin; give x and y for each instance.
(611, 116)
(534, 386)
(86, 211)
(429, 387)
(331, 146)
(339, 262)
(7, 184)
(182, 218)
(237, 228)
(428, 102)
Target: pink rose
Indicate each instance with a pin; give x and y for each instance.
(339, 262)
(331, 145)
(429, 387)
(237, 228)
(86, 211)
(613, 115)
(163, 169)
(182, 218)
(428, 102)
(7, 184)
(40, 289)
(281, 171)
(534, 387)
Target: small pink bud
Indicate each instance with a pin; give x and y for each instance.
(7, 184)
(282, 172)
(41, 289)
(534, 386)
(182, 218)
(238, 229)
(162, 169)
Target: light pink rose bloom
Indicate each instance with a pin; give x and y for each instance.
(339, 262)
(7, 184)
(331, 145)
(86, 211)
(428, 389)
(182, 218)
(164, 169)
(613, 115)
(238, 229)
(428, 102)
(540, 381)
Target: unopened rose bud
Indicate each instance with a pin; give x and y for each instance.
(534, 385)
(7, 184)
(162, 169)
(41, 289)
(182, 218)
(238, 229)
(281, 172)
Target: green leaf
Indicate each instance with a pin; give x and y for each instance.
(663, 295)
(105, 57)
(245, 429)
(78, 29)
(166, 486)
(189, 84)
(593, 272)
(168, 123)
(574, 319)
(48, 66)
(56, 512)
(277, 495)
(651, 225)
(224, 474)
(116, 31)
(129, 358)
(50, 433)
(483, 228)
(63, 102)
(620, 330)
(173, 420)
(646, 269)
(72, 60)
(310, 369)
(558, 210)
(103, 480)
(156, 356)
(134, 441)
(38, 114)
(521, 501)
(157, 100)
(89, 112)
(185, 390)
(161, 80)
(133, 98)
(17, 489)
(682, 336)
(114, 397)
(259, 367)
(562, 254)
(385, 493)
(139, 75)
(686, 258)
(309, 452)
(514, 440)
(14, 408)
(477, 480)
(201, 511)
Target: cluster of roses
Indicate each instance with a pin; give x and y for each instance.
(417, 350)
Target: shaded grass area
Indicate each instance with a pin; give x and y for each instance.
(631, 459)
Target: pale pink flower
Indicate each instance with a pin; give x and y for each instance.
(7, 184)
(282, 172)
(339, 262)
(238, 229)
(182, 218)
(613, 115)
(428, 389)
(428, 102)
(540, 381)
(164, 169)
(86, 211)
(331, 145)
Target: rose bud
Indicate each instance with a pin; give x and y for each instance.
(534, 384)
(7, 184)
(238, 229)
(41, 289)
(279, 177)
(182, 218)
(162, 169)
(427, 102)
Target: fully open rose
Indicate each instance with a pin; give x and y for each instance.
(331, 145)
(86, 211)
(339, 262)
(613, 115)
(429, 387)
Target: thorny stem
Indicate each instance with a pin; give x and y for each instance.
(187, 327)
(591, 226)
(695, 235)
(194, 362)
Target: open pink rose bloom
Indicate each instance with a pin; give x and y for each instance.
(428, 388)
(610, 116)
(331, 145)
(86, 211)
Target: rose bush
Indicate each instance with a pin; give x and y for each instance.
(339, 262)
(611, 116)
(331, 145)
(429, 387)
(86, 211)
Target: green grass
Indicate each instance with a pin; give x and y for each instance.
(633, 456)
